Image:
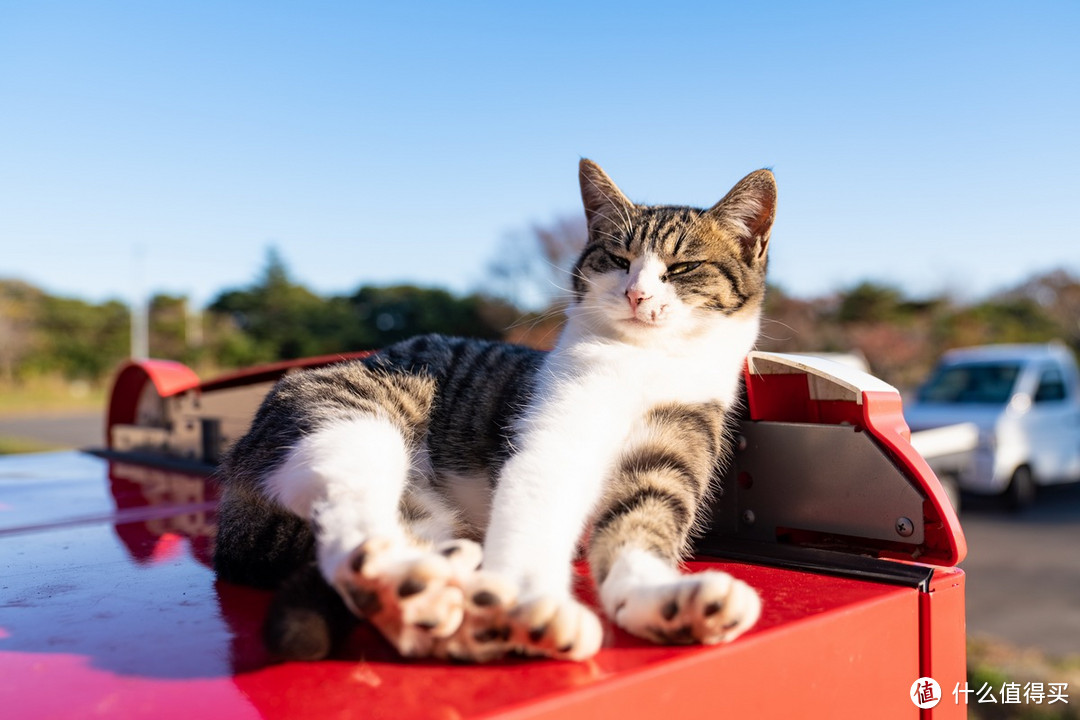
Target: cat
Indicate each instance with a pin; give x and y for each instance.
(364, 489)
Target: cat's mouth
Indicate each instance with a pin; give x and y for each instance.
(635, 321)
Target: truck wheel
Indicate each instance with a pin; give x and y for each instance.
(1021, 491)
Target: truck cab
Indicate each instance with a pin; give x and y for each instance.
(1024, 401)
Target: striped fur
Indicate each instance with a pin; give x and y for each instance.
(454, 400)
(621, 427)
(662, 487)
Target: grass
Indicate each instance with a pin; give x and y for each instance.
(47, 394)
(994, 663)
(17, 445)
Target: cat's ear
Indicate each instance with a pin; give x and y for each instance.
(602, 198)
(749, 208)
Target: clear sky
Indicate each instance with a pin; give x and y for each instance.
(932, 145)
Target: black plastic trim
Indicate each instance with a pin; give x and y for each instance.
(167, 462)
(816, 560)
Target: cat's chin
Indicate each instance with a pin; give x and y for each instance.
(640, 332)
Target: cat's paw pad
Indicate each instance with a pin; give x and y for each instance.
(485, 632)
(412, 596)
(708, 608)
(556, 627)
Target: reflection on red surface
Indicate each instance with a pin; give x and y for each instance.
(123, 618)
(186, 504)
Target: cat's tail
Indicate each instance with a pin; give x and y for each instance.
(307, 619)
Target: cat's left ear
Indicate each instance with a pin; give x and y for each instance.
(749, 208)
(603, 200)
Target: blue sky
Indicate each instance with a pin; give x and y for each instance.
(929, 145)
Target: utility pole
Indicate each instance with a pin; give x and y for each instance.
(140, 325)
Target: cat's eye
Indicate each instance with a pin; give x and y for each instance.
(681, 268)
(620, 262)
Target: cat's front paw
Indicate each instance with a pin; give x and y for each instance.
(485, 632)
(707, 608)
(555, 627)
(497, 623)
(412, 596)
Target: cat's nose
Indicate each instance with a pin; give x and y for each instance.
(636, 296)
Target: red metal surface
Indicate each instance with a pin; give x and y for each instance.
(945, 543)
(787, 398)
(117, 614)
(171, 378)
(168, 378)
(943, 640)
(273, 371)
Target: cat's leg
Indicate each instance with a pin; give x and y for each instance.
(384, 546)
(642, 528)
(522, 599)
(341, 450)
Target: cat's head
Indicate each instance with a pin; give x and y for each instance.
(655, 273)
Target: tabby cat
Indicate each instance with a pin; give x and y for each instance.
(363, 488)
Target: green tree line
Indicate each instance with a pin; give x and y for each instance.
(274, 318)
(277, 318)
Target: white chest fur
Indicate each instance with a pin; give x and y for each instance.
(590, 396)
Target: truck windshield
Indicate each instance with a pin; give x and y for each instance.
(982, 383)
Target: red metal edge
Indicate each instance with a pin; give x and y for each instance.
(943, 640)
(786, 398)
(883, 417)
(168, 377)
(172, 378)
(273, 371)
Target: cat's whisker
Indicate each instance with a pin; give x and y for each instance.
(784, 325)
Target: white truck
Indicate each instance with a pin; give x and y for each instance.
(1014, 418)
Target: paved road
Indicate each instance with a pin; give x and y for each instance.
(58, 431)
(1023, 572)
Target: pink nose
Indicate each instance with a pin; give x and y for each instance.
(636, 297)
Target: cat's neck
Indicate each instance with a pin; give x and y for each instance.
(725, 336)
(705, 365)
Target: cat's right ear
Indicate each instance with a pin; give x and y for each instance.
(603, 200)
(749, 209)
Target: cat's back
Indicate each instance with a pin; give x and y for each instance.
(481, 387)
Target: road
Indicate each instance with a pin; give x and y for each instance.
(59, 431)
(1023, 571)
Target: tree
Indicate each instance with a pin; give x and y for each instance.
(869, 302)
(276, 314)
(79, 340)
(19, 303)
(1057, 293)
(168, 320)
(278, 319)
(383, 315)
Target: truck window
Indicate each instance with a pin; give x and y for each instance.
(1051, 386)
(988, 383)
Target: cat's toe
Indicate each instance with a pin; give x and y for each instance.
(723, 608)
(484, 634)
(556, 627)
(704, 608)
(412, 596)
